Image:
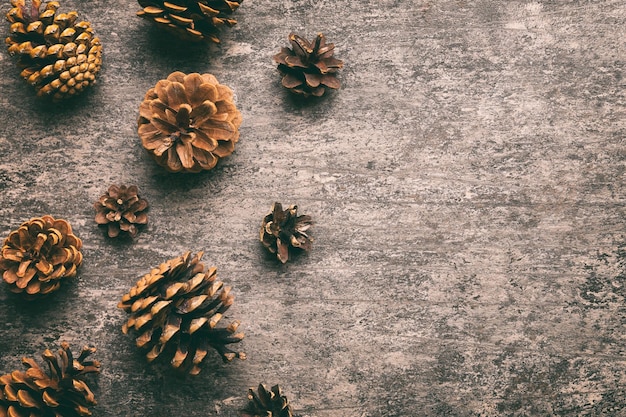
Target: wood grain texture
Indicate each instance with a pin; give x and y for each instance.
(467, 183)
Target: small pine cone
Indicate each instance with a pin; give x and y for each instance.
(267, 403)
(59, 390)
(60, 57)
(191, 20)
(38, 255)
(189, 121)
(282, 229)
(121, 210)
(175, 309)
(308, 68)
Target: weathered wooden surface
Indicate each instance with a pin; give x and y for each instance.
(467, 184)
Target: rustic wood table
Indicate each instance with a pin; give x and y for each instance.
(466, 183)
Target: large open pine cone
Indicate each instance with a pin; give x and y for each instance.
(175, 309)
(192, 20)
(60, 57)
(282, 229)
(38, 255)
(58, 390)
(121, 210)
(267, 403)
(187, 122)
(309, 67)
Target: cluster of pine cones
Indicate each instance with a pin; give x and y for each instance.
(60, 55)
(187, 123)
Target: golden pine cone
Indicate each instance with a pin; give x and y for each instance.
(121, 210)
(267, 403)
(191, 20)
(309, 67)
(175, 309)
(282, 229)
(188, 122)
(38, 255)
(60, 57)
(56, 390)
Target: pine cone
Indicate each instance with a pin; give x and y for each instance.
(308, 68)
(59, 56)
(175, 309)
(282, 229)
(267, 403)
(121, 210)
(37, 256)
(188, 122)
(191, 20)
(59, 390)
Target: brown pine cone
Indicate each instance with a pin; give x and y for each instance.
(266, 403)
(57, 390)
(59, 55)
(282, 229)
(309, 67)
(121, 210)
(38, 255)
(191, 20)
(189, 121)
(175, 309)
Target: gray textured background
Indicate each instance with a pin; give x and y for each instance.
(467, 184)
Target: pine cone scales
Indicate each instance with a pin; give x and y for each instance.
(38, 255)
(192, 20)
(121, 210)
(267, 403)
(60, 391)
(282, 229)
(60, 57)
(188, 122)
(175, 309)
(309, 67)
